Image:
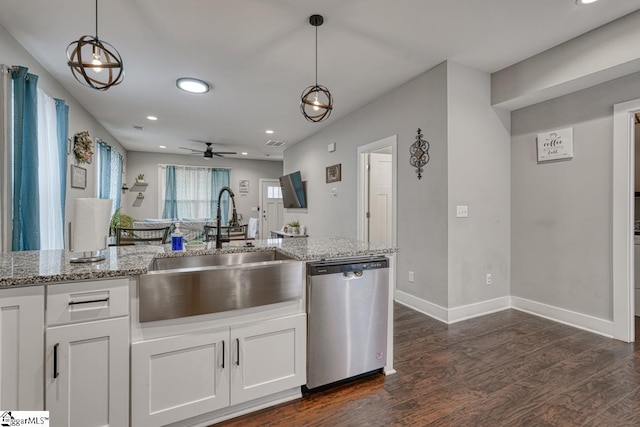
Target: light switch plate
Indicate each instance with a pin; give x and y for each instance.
(462, 211)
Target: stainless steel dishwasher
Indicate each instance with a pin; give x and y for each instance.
(347, 310)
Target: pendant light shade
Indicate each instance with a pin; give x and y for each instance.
(316, 102)
(94, 62)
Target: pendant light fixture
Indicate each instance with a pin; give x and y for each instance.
(316, 102)
(94, 62)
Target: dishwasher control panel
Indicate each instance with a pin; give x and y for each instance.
(346, 265)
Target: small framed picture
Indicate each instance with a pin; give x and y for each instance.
(78, 177)
(334, 173)
(556, 145)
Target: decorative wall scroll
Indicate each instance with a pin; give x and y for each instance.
(419, 153)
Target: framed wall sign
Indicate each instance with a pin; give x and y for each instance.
(78, 177)
(555, 145)
(334, 173)
(243, 186)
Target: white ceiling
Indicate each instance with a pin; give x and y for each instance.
(259, 56)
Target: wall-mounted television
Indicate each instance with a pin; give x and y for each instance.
(293, 196)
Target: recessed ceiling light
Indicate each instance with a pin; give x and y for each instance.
(268, 131)
(244, 153)
(162, 146)
(192, 85)
(152, 118)
(579, 2)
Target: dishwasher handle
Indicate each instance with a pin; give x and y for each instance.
(346, 266)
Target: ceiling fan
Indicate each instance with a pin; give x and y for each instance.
(209, 153)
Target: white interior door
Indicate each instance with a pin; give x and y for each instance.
(271, 207)
(380, 198)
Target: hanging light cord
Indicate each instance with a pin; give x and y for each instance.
(316, 54)
(97, 20)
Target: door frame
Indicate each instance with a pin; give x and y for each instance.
(622, 217)
(363, 150)
(261, 208)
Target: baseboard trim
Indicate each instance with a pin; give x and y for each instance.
(457, 314)
(423, 306)
(567, 317)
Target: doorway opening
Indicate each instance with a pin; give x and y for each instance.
(377, 192)
(623, 220)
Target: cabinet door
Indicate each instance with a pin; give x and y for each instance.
(87, 374)
(268, 357)
(21, 348)
(179, 377)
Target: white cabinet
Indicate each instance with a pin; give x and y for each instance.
(87, 354)
(180, 377)
(21, 348)
(268, 357)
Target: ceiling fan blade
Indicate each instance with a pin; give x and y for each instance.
(224, 152)
(194, 151)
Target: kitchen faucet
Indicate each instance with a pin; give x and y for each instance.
(234, 216)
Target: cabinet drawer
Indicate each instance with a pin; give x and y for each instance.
(84, 301)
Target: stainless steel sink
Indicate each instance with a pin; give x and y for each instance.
(215, 259)
(201, 284)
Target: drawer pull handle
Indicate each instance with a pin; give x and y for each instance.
(222, 354)
(55, 361)
(89, 301)
(237, 352)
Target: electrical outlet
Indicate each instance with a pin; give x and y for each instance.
(489, 279)
(411, 277)
(462, 211)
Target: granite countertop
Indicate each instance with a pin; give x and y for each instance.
(39, 267)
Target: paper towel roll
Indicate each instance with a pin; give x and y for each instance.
(90, 227)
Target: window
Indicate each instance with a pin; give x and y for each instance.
(274, 192)
(191, 192)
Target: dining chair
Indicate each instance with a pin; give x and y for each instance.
(227, 233)
(136, 236)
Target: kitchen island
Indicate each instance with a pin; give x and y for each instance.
(186, 371)
(40, 267)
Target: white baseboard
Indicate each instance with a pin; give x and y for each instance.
(452, 315)
(423, 306)
(456, 314)
(567, 317)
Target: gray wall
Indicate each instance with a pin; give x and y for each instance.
(561, 218)
(422, 204)
(469, 151)
(147, 163)
(478, 176)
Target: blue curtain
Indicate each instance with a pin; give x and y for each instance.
(26, 212)
(219, 179)
(104, 180)
(62, 117)
(170, 200)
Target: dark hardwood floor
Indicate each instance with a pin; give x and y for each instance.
(504, 369)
